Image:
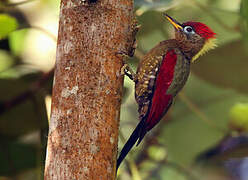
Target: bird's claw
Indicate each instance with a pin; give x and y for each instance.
(126, 70)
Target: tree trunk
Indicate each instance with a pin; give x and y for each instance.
(83, 132)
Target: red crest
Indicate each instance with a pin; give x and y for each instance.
(201, 29)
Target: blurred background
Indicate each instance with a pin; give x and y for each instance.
(203, 136)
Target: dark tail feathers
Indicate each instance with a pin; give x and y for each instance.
(137, 135)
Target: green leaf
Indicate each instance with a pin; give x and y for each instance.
(225, 66)
(8, 24)
(16, 41)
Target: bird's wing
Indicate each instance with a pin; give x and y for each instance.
(161, 99)
(155, 101)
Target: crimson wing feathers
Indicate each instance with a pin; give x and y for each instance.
(154, 102)
(161, 100)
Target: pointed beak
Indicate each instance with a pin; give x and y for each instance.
(176, 24)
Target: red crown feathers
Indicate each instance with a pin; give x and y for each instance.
(201, 29)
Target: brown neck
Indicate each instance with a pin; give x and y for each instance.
(190, 47)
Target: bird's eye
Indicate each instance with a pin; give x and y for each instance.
(188, 29)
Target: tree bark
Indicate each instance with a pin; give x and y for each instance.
(83, 130)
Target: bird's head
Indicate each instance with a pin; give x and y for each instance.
(194, 38)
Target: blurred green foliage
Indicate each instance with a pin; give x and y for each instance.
(7, 24)
(199, 118)
(244, 22)
(214, 97)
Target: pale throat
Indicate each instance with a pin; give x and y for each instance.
(209, 44)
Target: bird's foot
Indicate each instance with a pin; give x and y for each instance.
(126, 70)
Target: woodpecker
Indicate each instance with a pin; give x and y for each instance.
(163, 72)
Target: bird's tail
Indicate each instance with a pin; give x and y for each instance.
(135, 136)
